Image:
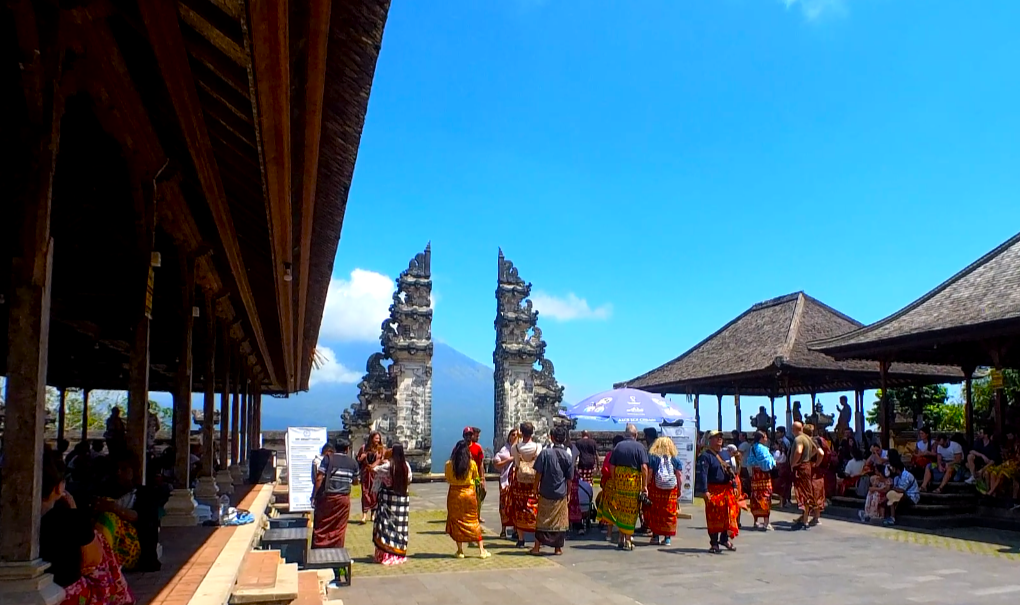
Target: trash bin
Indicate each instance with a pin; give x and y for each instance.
(262, 466)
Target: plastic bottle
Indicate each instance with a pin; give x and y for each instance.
(224, 508)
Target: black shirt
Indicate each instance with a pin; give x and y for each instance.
(341, 473)
(588, 452)
(629, 453)
(991, 450)
(62, 534)
(556, 466)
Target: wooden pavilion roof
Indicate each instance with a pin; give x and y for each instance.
(964, 321)
(764, 352)
(244, 117)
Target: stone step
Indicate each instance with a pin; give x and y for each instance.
(918, 510)
(911, 521)
(264, 580)
(310, 590)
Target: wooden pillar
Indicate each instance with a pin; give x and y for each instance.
(859, 414)
(242, 434)
(887, 415)
(141, 282)
(61, 413)
(257, 419)
(209, 382)
(789, 408)
(772, 413)
(22, 573)
(225, 408)
(697, 413)
(182, 386)
(736, 407)
(968, 402)
(719, 399)
(85, 413)
(235, 411)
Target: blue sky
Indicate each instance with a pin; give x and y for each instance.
(657, 167)
(669, 164)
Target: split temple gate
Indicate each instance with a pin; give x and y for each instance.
(175, 176)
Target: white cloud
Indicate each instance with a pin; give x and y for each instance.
(569, 308)
(813, 10)
(331, 370)
(356, 307)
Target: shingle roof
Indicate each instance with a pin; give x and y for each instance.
(982, 299)
(766, 346)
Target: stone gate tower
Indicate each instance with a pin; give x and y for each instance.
(525, 382)
(395, 395)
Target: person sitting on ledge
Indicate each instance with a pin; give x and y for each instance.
(904, 492)
(950, 461)
(986, 453)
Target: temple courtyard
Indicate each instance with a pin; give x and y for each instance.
(836, 563)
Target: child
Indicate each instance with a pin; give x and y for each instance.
(875, 502)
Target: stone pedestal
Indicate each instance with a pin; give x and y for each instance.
(236, 477)
(207, 492)
(225, 482)
(180, 510)
(27, 583)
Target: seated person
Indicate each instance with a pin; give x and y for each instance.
(903, 493)
(1008, 469)
(852, 472)
(924, 452)
(80, 559)
(986, 453)
(128, 517)
(878, 457)
(948, 466)
(874, 504)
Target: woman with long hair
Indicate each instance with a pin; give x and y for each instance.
(369, 456)
(81, 560)
(390, 528)
(504, 461)
(461, 501)
(525, 500)
(663, 488)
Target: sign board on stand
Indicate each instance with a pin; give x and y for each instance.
(303, 445)
(685, 438)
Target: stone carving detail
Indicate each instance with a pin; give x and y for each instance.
(395, 395)
(525, 381)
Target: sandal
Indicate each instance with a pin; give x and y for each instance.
(729, 546)
(485, 555)
(459, 555)
(715, 550)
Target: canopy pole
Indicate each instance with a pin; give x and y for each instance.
(772, 427)
(85, 414)
(968, 402)
(789, 409)
(697, 413)
(883, 368)
(719, 397)
(736, 406)
(61, 413)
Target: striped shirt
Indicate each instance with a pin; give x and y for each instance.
(341, 473)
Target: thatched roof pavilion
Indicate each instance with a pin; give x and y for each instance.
(969, 321)
(764, 352)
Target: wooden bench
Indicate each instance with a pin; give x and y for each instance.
(292, 542)
(336, 559)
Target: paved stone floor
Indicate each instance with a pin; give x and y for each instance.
(842, 563)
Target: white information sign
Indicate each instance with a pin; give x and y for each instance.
(685, 438)
(303, 445)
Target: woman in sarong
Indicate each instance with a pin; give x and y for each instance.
(390, 528)
(524, 499)
(665, 477)
(874, 503)
(1009, 468)
(81, 560)
(739, 503)
(461, 501)
(819, 471)
(116, 518)
(504, 461)
(553, 468)
(784, 474)
(761, 463)
(713, 481)
(369, 456)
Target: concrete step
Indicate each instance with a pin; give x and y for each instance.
(265, 580)
(911, 521)
(310, 590)
(918, 510)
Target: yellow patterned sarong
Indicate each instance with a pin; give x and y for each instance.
(620, 504)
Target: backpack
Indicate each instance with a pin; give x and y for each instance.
(665, 478)
(526, 471)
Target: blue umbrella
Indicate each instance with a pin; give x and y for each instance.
(625, 405)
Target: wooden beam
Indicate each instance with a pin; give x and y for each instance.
(269, 30)
(315, 84)
(168, 46)
(205, 29)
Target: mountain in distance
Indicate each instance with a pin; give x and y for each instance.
(462, 395)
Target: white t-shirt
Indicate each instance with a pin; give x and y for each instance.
(744, 448)
(949, 452)
(854, 468)
(526, 451)
(922, 446)
(504, 473)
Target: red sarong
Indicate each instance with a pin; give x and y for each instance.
(329, 527)
(761, 493)
(719, 508)
(525, 507)
(804, 487)
(660, 516)
(818, 487)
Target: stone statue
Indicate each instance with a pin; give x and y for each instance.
(819, 419)
(395, 395)
(843, 424)
(525, 382)
(797, 416)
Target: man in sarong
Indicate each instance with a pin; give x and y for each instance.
(553, 468)
(802, 457)
(337, 473)
(713, 481)
(628, 465)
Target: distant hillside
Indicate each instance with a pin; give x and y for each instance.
(461, 395)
